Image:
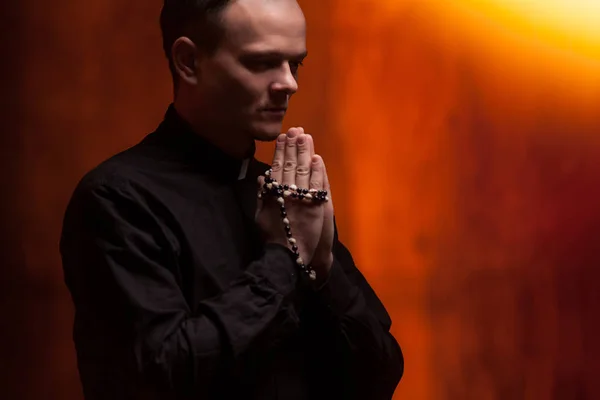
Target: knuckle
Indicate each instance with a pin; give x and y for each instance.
(302, 171)
(276, 166)
(289, 166)
(316, 183)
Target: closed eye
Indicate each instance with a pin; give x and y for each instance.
(261, 62)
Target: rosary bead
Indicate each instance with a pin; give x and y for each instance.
(281, 191)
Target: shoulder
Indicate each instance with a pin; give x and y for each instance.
(116, 177)
(116, 172)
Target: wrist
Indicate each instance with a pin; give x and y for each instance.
(322, 266)
(322, 263)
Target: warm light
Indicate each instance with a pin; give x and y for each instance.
(582, 16)
(570, 24)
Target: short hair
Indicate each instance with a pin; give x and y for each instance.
(197, 19)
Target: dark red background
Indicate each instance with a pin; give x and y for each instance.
(464, 156)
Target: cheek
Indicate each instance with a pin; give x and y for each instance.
(235, 88)
(247, 87)
(250, 89)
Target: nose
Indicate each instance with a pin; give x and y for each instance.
(285, 81)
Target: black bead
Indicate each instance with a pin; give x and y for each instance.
(301, 196)
(289, 234)
(295, 248)
(282, 207)
(286, 187)
(288, 228)
(283, 213)
(305, 191)
(295, 195)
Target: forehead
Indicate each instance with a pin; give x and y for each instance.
(265, 25)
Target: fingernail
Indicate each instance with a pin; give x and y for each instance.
(291, 133)
(281, 138)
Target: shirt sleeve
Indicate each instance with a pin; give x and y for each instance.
(118, 258)
(369, 363)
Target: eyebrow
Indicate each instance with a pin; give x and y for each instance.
(277, 54)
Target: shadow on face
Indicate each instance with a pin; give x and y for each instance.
(244, 87)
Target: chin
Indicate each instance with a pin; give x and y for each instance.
(267, 132)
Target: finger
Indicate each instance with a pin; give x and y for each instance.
(317, 173)
(311, 144)
(278, 158)
(291, 157)
(326, 185)
(304, 159)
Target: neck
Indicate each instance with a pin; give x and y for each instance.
(233, 143)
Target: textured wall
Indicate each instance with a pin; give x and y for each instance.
(474, 135)
(463, 143)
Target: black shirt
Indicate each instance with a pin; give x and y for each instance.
(177, 297)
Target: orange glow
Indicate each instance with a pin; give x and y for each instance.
(464, 115)
(576, 19)
(462, 139)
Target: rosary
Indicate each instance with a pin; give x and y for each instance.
(281, 192)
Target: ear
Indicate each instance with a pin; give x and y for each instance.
(184, 54)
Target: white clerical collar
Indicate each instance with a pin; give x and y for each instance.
(243, 169)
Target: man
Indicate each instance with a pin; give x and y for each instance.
(185, 284)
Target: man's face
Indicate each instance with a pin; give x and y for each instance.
(247, 83)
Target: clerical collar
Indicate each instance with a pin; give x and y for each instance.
(176, 134)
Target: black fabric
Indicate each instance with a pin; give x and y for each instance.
(177, 297)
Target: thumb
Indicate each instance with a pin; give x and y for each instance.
(326, 184)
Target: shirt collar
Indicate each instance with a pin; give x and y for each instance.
(176, 134)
